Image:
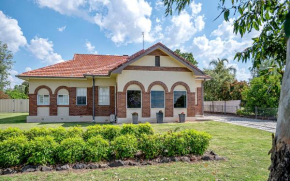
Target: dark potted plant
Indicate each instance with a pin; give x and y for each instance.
(135, 117)
(181, 117)
(159, 116)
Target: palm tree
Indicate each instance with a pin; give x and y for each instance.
(220, 65)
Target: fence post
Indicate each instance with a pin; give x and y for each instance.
(256, 112)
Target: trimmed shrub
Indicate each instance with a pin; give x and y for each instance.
(12, 151)
(92, 131)
(197, 142)
(110, 132)
(71, 150)
(41, 150)
(124, 146)
(97, 149)
(37, 132)
(150, 145)
(129, 129)
(74, 132)
(145, 128)
(58, 134)
(174, 144)
(10, 133)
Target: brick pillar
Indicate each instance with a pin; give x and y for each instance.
(169, 104)
(199, 101)
(32, 105)
(112, 100)
(121, 105)
(190, 104)
(53, 105)
(72, 101)
(145, 104)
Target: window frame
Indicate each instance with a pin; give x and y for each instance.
(43, 104)
(140, 100)
(163, 99)
(157, 61)
(62, 95)
(185, 99)
(81, 96)
(109, 96)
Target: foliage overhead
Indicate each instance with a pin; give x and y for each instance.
(267, 17)
(5, 65)
(187, 56)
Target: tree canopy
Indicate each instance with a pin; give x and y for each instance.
(5, 65)
(187, 56)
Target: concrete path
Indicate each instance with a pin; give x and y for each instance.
(265, 125)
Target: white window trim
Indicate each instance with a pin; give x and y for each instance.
(163, 100)
(43, 104)
(63, 95)
(127, 100)
(185, 102)
(86, 96)
(108, 97)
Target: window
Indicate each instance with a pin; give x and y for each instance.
(179, 99)
(42, 99)
(157, 61)
(133, 99)
(104, 96)
(157, 99)
(62, 99)
(81, 96)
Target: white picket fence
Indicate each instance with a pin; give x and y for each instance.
(14, 105)
(222, 106)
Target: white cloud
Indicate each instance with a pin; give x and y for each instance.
(27, 69)
(159, 4)
(11, 33)
(91, 48)
(43, 50)
(195, 8)
(13, 80)
(158, 20)
(61, 29)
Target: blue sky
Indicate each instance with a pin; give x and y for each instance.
(44, 32)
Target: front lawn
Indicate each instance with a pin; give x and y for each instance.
(245, 149)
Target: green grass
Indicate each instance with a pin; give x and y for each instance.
(245, 149)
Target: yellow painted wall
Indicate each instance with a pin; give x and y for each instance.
(165, 61)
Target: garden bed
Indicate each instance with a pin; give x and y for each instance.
(208, 156)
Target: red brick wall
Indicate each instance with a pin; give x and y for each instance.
(105, 110)
(32, 104)
(169, 104)
(145, 104)
(75, 110)
(121, 104)
(199, 101)
(190, 104)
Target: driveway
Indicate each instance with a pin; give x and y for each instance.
(265, 125)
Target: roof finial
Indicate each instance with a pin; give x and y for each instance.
(143, 39)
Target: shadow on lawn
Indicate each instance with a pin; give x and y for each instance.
(13, 119)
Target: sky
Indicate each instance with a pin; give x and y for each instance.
(45, 32)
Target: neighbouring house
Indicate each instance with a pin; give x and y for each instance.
(104, 88)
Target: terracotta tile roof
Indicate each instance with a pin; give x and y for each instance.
(90, 64)
(82, 64)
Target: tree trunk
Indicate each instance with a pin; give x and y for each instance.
(280, 152)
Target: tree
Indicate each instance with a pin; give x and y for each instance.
(18, 92)
(5, 65)
(263, 92)
(233, 90)
(187, 56)
(274, 18)
(221, 76)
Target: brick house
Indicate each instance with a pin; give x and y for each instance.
(98, 87)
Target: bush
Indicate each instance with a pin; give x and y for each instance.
(150, 145)
(110, 132)
(37, 132)
(197, 142)
(129, 129)
(10, 133)
(74, 132)
(92, 131)
(12, 151)
(58, 134)
(145, 128)
(174, 144)
(71, 150)
(124, 146)
(41, 150)
(97, 149)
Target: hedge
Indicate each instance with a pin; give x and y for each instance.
(40, 146)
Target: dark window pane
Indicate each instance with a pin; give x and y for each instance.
(81, 100)
(133, 99)
(157, 99)
(157, 61)
(179, 99)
